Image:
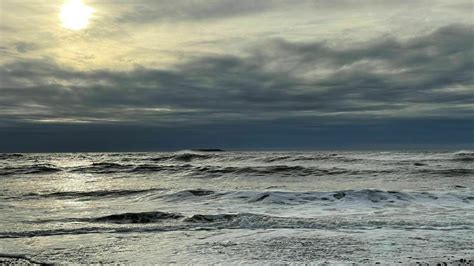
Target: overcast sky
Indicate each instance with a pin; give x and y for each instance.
(246, 74)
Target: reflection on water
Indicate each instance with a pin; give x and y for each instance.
(247, 207)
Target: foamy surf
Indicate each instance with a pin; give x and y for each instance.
(213, 206)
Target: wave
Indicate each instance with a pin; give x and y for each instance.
(212, 218)
(184, 157)
(165, 222)
(95, 193)
(20, 259)
(271, 159)
(211, 171)
(363, 197)
(148, 168)
(307, 157)
(131, 217)
(297, 170)
(189, 155)
(464, 153)
(467, 156)
(192, 193)
(208, 150)
(255, 220)
(6, 156)
(110, 168)
(281, 170)
(29, 169)
(453, 172)
(203, 154)
(102, 168)
(55, 232)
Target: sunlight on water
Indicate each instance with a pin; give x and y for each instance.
(205, 207)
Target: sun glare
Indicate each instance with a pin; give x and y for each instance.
(75, 15)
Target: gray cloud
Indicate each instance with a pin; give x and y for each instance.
(425, 76)
(162, 10)
(24, 47)
(143, 11)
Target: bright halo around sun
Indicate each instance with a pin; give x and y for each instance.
(75, 15)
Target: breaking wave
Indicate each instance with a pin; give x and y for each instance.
(165, 222)
(363, 197)
(467, 156)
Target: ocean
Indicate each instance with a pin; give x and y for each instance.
(203, 207)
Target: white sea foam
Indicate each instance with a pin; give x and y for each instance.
(214, 206)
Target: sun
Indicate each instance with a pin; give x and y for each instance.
(75, 15)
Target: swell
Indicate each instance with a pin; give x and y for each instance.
(309, 157)
(452, 172)
(213, 170)
(131, 217)
(196, 164)
(267, 170)
(199, 155)
(363, 197)
(184, 157)
(162, 222)
(29, 169)
(463, 156)
(92, 194)
(7, 156)
(278, 170)
(102, 168)
(110, 168)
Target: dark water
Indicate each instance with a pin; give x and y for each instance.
(238, 207)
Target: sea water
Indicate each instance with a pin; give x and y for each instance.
(238, 207)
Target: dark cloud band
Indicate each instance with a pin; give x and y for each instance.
(426, 76)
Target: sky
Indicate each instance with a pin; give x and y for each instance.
(143, 75)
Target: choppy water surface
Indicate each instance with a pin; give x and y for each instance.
(238, 207)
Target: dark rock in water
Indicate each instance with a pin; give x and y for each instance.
(339, 195)
(208, 150)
